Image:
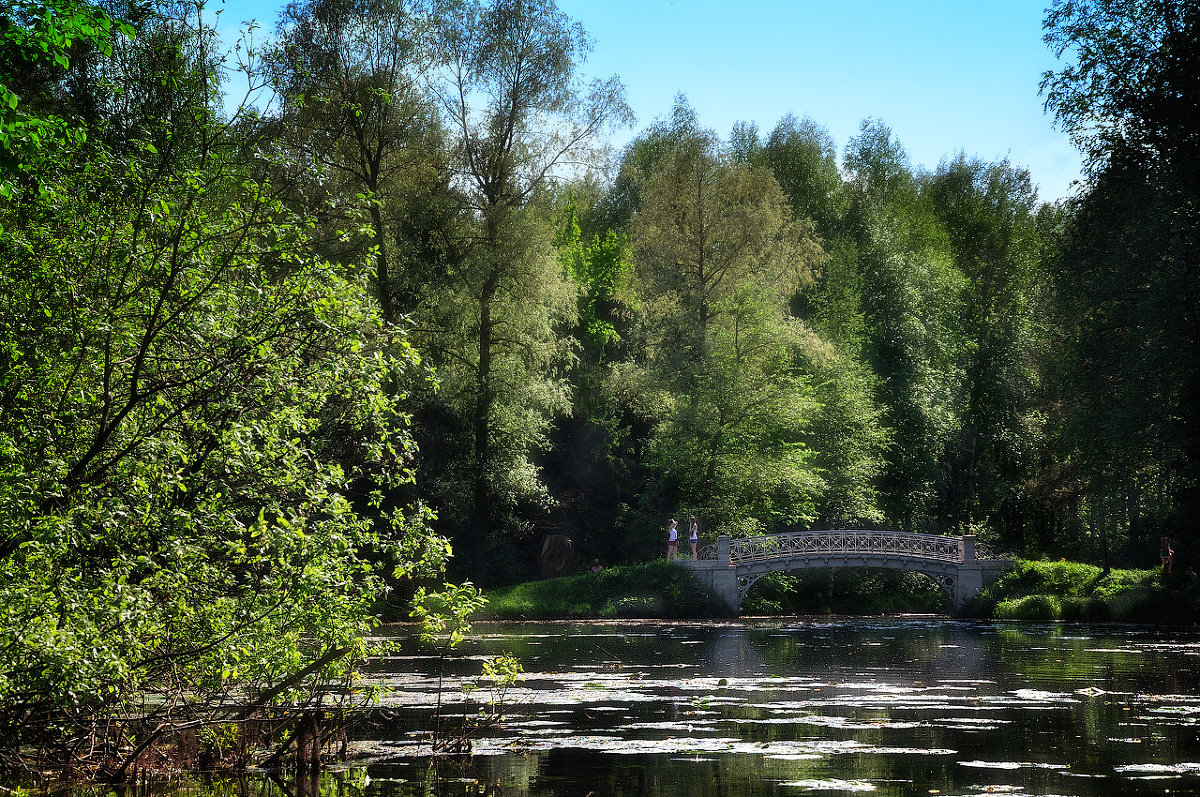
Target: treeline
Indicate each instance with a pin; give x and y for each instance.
(258, 365)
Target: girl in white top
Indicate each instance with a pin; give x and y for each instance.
(672, 539)
(693, 536)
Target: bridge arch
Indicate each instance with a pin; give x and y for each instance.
(947, 582)
(959, 566)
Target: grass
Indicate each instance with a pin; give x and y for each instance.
(1047, 591)
(1034, 591)
(653, 589)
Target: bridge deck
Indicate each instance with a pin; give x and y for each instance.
(839, 543)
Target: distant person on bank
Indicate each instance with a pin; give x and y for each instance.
(672, 539)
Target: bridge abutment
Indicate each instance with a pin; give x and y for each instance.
(718, 574)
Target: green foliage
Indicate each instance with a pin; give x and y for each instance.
(444, 618)
(206, 470)
(655, 589)
(1116, 58)
(1031, 608)
(718, 253)
(1041, 591)
(603, 270)
(1125, 271)
(347, 75)
(849, 439)
(500, 674)
(737, 444)
(803, 157)
(34, 32)
(510, 95)
(199, 421)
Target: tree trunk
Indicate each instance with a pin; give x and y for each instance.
(481, 510)
(308, 742)
(383, 278)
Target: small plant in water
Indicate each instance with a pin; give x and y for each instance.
(445, 622)
(500, 674)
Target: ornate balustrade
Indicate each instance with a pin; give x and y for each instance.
(842, 543)
(959, 565)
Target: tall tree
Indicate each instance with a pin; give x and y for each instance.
(803, 157)
(911, 305)
(197, 418)
(718, 254)
(349, 76)
(849, 432)
(990, 214)
(518, 113)
(1130, 267)
(705, 227)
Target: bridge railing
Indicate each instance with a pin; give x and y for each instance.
(840, 543)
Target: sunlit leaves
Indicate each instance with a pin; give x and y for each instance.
(196, 411)
(44, 31)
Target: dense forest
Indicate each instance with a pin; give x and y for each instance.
(403, 312)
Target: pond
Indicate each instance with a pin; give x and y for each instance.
(899, 706)
(786, 707)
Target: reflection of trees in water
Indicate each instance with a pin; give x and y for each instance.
(1031, 700)
(486, 777)
(731, 653)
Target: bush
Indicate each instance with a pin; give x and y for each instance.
(1042, 591)
(1031, 608)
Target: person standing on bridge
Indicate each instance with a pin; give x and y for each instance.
(672, 539)
(693, 536)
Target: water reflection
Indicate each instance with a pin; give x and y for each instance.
(887, 707)
(891, 707)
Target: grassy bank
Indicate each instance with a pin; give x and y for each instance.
(653, 589)
(1031, 591)
(656, 589)
(1046, 591)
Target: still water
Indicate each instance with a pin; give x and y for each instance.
(904, 706)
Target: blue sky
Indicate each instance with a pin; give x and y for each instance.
(944, 75)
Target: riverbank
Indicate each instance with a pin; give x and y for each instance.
(659, 590)
(1034, 591)
(653, 589)
(1071, 591)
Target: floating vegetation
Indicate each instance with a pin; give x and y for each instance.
(1158, 769)
(782, 701)
(1010, 765)
(832, 785)
(847, 723)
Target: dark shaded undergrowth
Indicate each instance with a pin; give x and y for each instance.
(845, 591)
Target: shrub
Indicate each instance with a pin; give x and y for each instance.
(1030, 608)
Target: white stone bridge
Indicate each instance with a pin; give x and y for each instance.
(957, 564)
